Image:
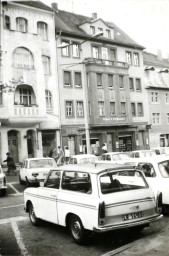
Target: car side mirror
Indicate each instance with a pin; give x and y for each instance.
(41, 184)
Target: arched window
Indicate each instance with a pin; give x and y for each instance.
(21, 24)
(42, 30)
(23, 58)
(48, 96)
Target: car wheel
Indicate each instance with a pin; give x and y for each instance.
(34, 220)
(3, 192)
(76, 229)
(20, 180)
(28, 184)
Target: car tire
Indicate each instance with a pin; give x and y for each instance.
(77, 230)
(3, 192)
(33, 219)
(20, 180)
(28, 184)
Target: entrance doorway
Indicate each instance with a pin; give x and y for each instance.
(30, 144)
(48, 141)
(13, 145)
(125, 143)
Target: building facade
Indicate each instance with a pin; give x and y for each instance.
(29, 97)
(157, 86)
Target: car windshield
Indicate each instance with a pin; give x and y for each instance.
(164, 168)
(122, 180)
(87, 160)
(147, 153)
(124, 157)
(42, 163)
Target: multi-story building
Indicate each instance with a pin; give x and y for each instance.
(110, 70)
(157, 86)
(29, 97)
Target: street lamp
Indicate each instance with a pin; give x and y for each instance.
(86, 108)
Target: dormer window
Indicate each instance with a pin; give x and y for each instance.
(21, 24)
(108, 33)
(100, 30)
(92, 30)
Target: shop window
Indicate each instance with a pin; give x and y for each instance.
(23, 58)
(42, 30)
(46, 64)
(21, 24)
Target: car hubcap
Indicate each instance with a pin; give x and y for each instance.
(76, 229)
(32, 213)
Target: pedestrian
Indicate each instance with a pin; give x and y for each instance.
(60, 154)
(104, 148)
(67, 154)
(10, 163)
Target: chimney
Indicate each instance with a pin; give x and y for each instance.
(159, 54)
(94, 15)
(55, 7)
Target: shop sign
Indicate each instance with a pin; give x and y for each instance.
(113, 119)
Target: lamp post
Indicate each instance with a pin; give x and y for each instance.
(86, 105)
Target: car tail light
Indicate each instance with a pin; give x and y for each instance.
(159, 202)
(101, 212)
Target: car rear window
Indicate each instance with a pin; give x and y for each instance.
(40, 163)
(87, 160)
(122, 180)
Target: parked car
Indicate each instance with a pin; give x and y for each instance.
(156, 170)
(93, 198)
(83, 159)
(3, 186)
(161, 150)
(114, 157)
(35, 170)
(142, 153)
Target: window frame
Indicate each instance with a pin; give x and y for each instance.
(77, 109)
(133, 113)
(140, 87)
(136, 61)
(101, 108)
(49, 99)
(70, 73)
(47, 68)
(43, 33)
(141, 113)
(129, 58)
(72, 109)
(19, 54)
(76, 85)
(19, 26)
(77, 50)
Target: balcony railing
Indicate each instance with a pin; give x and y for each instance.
(32, 111)
(113, 63)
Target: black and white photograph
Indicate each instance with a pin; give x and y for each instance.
(84, 128)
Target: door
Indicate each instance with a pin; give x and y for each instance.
(30, 144)
(71, 145)
(13, 145)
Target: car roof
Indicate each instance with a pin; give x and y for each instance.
(142, 150)
(115, 153)
(95, 168)
(83, 156)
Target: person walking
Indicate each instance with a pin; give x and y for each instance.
(67, 154)
(10, 163)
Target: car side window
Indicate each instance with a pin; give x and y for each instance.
(77, 181)
(108, 158)
(137, 155)
(53, 180)
(148, 169)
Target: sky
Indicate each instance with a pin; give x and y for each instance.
(145, 21)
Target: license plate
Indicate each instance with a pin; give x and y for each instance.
(131, 216)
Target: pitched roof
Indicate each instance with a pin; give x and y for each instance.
(152, 59)
(69, 22)
(35, 4)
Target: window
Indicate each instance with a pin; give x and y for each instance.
(65, 50)
(79, 109)
(78, 79)
(90, 108)
(101, 108)
(140, 109)
(136, 59)
(128, 58)
(48, 96)
(112, 108)
(42, 30)
(104, 53)
(1, 95)
(53, 180)
(167, 97)
(22, 58)
(67, 78)
(46, 64)
(155, 118)
(112, 54)
(133, 109)
(7, 23)
(69, 108)
(21, 24)
(77, 182)
(92, 29)
(168, 118)
(148, 169)
(25, 96)
(110, 81)
(99, 79)
(108, 33)
(131, 83)
(76, 50)
(121, 84)
(154, 97)
(95, 51)
(100, 30)
(138, 84)
(123, 108)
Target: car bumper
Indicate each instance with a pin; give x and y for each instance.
(127, 225)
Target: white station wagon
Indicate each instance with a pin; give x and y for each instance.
(3, 186)
(35, 170)
(95, 198)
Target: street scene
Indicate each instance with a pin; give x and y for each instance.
(84, 127)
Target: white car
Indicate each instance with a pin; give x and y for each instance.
(34, 170)
(156, 170)
(83, 159)
(93, 198)
(142, 153)
(161, 150)
(3, 186)
(114, 157)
